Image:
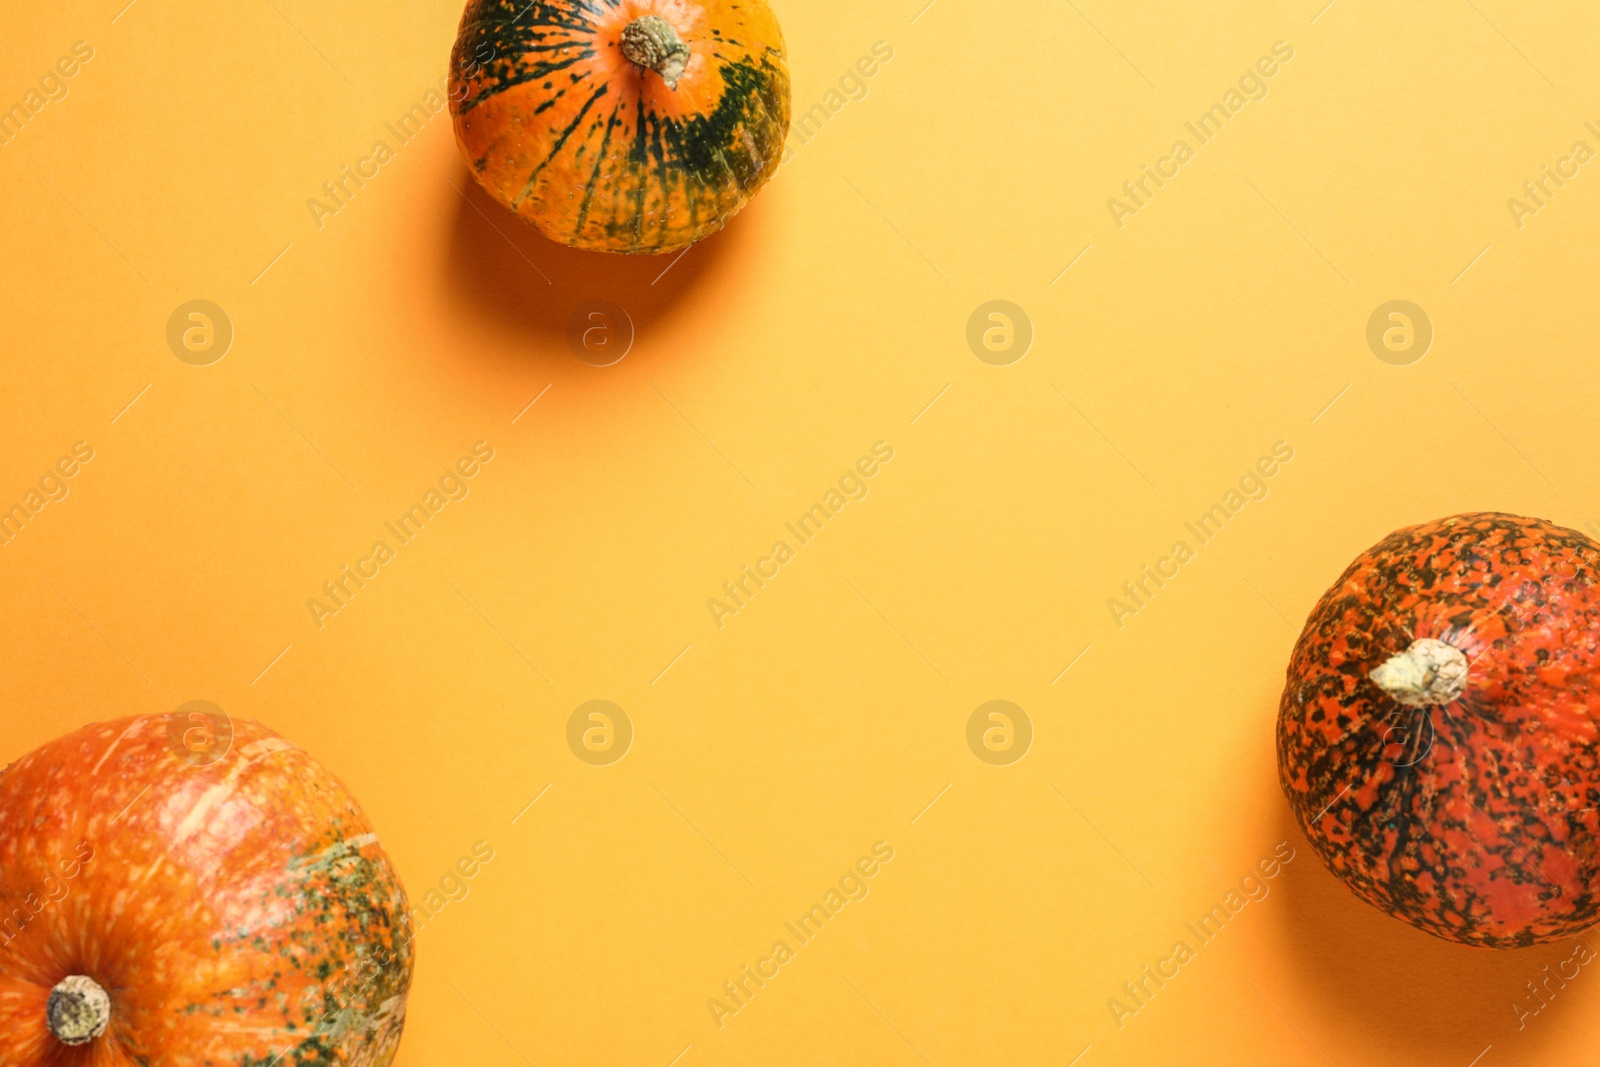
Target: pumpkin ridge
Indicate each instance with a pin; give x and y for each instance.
(1408, 789)
(639, 157)
(510, 39)
(762, 102)
(561, 143)
(545, 12)
(1524, 869)
(555, 99)
(700, 139)
(721, 156)
(533, 74)
(599, 164)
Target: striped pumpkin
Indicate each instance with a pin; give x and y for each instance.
(155, 908)
(621, 125)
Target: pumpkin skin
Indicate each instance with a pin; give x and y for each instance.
(598, 151)
(240, 913)
(1475, 819)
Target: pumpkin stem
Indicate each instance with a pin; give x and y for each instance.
(651, 42)
(78, 1010)
(1429, 672)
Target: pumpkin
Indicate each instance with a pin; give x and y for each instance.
(1439, 733)
(161, 906)
(624, 126)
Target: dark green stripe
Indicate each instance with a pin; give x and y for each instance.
(560, 143)
(599, 162)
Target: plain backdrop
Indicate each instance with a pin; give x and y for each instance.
(1172, 348)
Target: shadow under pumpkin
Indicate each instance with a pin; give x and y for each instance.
(502, 272)
(1420, 999)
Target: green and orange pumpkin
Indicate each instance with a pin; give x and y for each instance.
(621, 125)
(169, 900)
(1439, 734)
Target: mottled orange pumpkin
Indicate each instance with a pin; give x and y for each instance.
(1439, 732)
(621, 126)
(171, 896)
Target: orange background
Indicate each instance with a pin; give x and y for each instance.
(769, 754)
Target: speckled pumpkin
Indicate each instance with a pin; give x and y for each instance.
(1439, 735)
(160, 912)
(621, 125)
